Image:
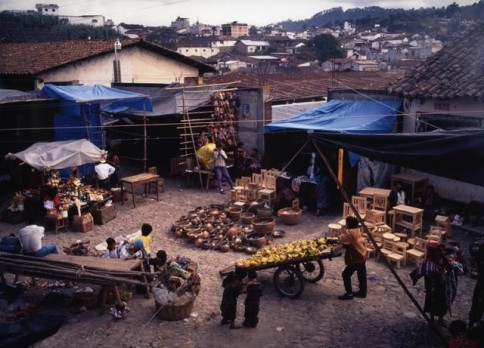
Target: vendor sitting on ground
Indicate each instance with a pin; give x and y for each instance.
(31, 239)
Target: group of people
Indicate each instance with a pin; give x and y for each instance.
(234, 285)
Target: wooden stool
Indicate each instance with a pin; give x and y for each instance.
(403, 236)
(335, 230)
(57, 221)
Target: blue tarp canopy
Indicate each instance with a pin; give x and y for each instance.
(343, 116)
(81, 107)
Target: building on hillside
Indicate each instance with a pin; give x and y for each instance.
(447, 92)
(235, 29)
(194, 46)
(251, 46)
(30, 65)
(92, 20)
(47, 9)
(180, 23)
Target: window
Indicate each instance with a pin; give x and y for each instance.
(94, 21)
(430, 122)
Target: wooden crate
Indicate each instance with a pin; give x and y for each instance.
(83, 223)
(104, 214)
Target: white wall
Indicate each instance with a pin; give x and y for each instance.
(447, 188)
(205, 52)
(137, 66)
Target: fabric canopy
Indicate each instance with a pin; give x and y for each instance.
(455, 154)
(60, 154)
(81, 106)
(360, 116)
(96, 94)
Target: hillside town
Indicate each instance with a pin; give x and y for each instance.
(188, 180)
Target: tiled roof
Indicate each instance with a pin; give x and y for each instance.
(303, 83)
(37, 57)
(455, 71)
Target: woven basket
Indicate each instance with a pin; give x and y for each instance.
(172, 313)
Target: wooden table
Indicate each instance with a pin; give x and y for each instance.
(408, 217)
(369, 192)
(416, 182)
(139, 179)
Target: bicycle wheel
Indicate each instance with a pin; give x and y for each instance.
(312, 271)
(289, 281)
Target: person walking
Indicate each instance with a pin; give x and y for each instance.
(221, 168)
(355, 259)
(435, 270)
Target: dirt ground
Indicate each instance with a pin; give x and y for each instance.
(386, 318)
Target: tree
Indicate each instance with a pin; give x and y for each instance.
(164, 36)
(325, 46)
(253, 30)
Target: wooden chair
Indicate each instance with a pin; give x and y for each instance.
(269, 192)
(347, 211)
(435, 234)
(418, 252)
(375, 217)
(360, 204)
(257, 179)
(380, 203)
(386, 248)
(370, 249)
(241, 186)
(161, 181)
(398, 254)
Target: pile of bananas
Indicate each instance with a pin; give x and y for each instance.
(288, 252)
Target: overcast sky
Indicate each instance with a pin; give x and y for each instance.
(214, 12)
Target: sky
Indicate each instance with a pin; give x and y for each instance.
(213, 12)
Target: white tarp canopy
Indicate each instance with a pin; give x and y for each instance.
(60, 154)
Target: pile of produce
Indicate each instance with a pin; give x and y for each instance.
(289, 252)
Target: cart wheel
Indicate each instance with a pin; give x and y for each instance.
(312, 271)
(289, 281)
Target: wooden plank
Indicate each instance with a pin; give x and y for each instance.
(97, 262)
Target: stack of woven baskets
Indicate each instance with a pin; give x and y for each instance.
(178, 289)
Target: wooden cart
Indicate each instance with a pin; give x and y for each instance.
(291, 275)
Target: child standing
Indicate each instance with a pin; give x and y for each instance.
(252, 301)
(233, 286)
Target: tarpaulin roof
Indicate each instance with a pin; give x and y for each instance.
(455, 154)
(59, 154)
(95, 93)
(170, 100)
(361, 116)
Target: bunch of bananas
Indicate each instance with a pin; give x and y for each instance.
(288, 252)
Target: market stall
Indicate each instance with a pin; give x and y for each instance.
(57, 199)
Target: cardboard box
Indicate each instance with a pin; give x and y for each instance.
(104, 214)
(83, 223)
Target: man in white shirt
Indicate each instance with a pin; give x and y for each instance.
(31, 239)
(103, 172)
(397, 195)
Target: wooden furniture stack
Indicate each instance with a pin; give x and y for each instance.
(408, 217)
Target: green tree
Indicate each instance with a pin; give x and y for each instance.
(164, 36)
(325, 46)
